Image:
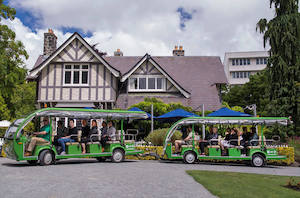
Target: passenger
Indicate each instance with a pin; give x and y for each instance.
(41, 137)
(104, 135)
(94, 131)
(178, 143)
(84, 135)
(253, 139)
(229, 136)
(246, 134)
(61, 131)
(72, 131)
(111, 131)
(240, 138)
(213, 134)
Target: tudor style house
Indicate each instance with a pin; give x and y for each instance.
(78, 75)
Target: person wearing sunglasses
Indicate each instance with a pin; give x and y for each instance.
(41, 137)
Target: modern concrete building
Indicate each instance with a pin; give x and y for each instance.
(77, 75)
(240, 65)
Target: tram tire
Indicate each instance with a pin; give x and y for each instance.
(118, 156)
(101, 159)
(258, 160)
(46, 158)
(189, 157)
(32, 162)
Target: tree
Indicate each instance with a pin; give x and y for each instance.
(253, 92)
(12, 54)
(283, 68)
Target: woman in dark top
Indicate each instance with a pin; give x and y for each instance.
(94, 131)
(84, 135)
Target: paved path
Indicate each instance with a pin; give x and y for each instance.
(89, 178)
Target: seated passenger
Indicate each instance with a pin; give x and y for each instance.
(41, 137)
(229, 136)
(61, 131)
(94, 131)
(104, 135)
(72, 131)
(213, 134)
(84, 135)
(246, 134)
(253, 138)
(178, 143)
(241, 141)
(111, 131)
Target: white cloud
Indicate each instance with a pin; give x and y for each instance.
(137, 27)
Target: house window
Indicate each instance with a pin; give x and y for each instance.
(76, 74)
(146, 83)
(245, 61)
(248, 61)
(265, 60)
(142, 83)
(233, 62)
(257, 61)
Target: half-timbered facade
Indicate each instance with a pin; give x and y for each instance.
(77, 75)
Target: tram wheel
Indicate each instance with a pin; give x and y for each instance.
(46, 158)
(189, 157)
(118, 156)
(258, 160)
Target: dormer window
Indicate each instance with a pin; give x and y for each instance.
(146, 83)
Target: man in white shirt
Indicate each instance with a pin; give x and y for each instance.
(111, 131)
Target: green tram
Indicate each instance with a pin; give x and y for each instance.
(257, 155)
(16, 137)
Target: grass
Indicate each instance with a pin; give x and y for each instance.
(296, 144)
(230, 184)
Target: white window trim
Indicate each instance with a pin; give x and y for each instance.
(147, 90)
(72, 75)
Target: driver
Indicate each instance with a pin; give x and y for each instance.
(41, 137)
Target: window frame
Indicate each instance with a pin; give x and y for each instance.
(72, 70)
(164, 80)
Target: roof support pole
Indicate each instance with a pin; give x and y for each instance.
(152, 124)
(203, 126)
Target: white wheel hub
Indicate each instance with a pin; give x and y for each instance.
(118, 156)
(258, 161)
(48, 158)
(190, 158)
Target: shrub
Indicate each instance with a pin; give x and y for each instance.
(157, 137)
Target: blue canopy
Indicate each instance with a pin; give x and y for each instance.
(177, 113)
(138, 109)
(225, 112)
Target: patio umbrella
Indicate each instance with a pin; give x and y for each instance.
(225, 112)
(138, 109)
(177, 114)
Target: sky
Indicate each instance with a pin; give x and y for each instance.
(202, 27)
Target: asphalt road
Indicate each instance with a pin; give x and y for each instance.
(90, 178)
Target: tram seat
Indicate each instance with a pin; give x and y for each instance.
(78, 139)
(112, 142)
(216, 146)
(129, 141)
(259, 143)
(213, 146)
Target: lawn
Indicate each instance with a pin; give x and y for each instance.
(230, 184)
(296, 144)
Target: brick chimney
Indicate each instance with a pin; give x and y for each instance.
(118, 53)
(178, 52)
(49, 42)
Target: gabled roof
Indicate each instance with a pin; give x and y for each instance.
(195, 74)
(42, 60)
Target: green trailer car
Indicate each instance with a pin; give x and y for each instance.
(257, 155)
(17, 136)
